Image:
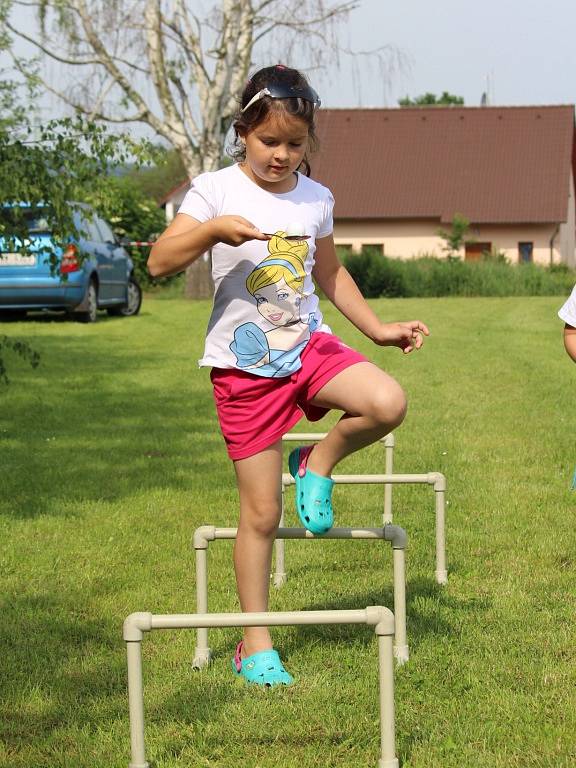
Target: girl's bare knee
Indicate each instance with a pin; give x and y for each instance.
(389, 408)
(261, 518)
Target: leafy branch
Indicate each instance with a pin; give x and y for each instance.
(20, 348)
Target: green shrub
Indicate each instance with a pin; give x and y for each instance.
(378, 276)
(133, 215)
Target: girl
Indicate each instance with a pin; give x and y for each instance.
(567, 313)
(272, 358)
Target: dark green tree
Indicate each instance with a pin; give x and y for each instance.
(157, 180)
(133, 215)
(432, 100)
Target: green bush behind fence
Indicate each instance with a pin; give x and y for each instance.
(377, 275)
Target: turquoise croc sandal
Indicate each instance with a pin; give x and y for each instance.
(313, 494)
(264, 668)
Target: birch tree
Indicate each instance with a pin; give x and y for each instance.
(177, 66)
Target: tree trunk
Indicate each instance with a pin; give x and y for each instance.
(199, 283)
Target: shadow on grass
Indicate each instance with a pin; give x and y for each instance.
(65, 669)
(50, 652)
(93, 429)
(420, 623)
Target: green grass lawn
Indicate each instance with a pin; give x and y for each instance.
(111, 457)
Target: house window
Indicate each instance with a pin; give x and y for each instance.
(474, 251)
(376, 248)
(344, 250)
(525, 252)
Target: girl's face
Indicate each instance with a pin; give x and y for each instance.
(278, 303)
(274, 150)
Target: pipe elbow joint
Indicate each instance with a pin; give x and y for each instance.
(381, 618)
(135, 625)
(203, 535)
(396, 535)
(438, 480)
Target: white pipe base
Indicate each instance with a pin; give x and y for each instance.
(202, 658)
(280, 579)
(401, 654)
(442, 577)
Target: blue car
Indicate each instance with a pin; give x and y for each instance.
(94, 272)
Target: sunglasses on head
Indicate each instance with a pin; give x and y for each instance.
(283, 91)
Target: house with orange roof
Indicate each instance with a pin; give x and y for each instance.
(400, 175)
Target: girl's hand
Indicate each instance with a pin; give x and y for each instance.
(235, 230)
(407, 336)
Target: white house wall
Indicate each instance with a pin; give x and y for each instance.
(173, 203)
(411, 239)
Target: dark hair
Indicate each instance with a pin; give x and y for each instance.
(258, 112)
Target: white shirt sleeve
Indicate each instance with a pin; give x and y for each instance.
(326, 226)
(568, 310)
(199, 201)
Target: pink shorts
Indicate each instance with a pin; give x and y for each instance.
(255, 411)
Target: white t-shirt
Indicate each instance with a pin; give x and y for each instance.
(567, 311)
(265, 307)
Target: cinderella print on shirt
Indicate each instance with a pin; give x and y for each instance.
(276, 284)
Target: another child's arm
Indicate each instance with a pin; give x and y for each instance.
(570, 340)
(337, 284)
(186, 239)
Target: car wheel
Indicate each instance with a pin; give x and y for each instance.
(132, 306)
(90, 314)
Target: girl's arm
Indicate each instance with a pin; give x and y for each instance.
(186, 239)
(570, 340)
(336, 282)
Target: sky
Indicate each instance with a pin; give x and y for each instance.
(518, 51)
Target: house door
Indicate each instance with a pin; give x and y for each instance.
(474, 251)
(525, 252)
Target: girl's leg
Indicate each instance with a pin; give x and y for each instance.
(373, 403)
(259, 479)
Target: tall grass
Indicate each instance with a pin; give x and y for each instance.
(377, 276)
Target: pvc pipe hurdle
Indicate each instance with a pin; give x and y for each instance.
(436, 479)
(376, 616)
(392, 533)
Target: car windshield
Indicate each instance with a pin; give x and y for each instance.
(36, 220)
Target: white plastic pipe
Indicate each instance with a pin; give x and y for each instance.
(435, 479)
(388, 442)
(377, 616)
(308, 437)
(392, 533)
